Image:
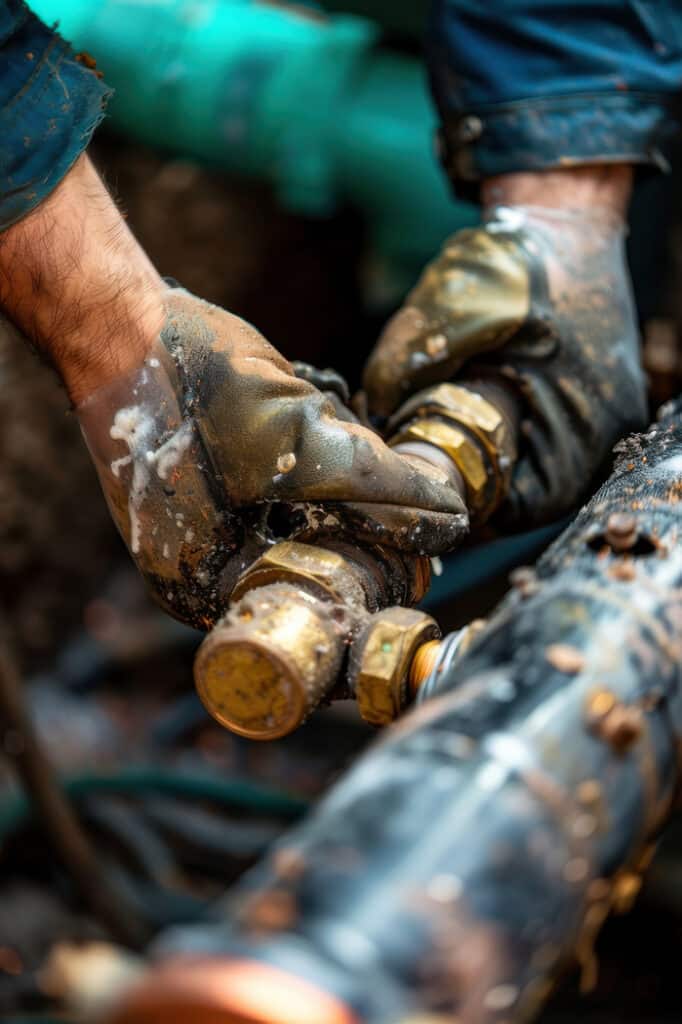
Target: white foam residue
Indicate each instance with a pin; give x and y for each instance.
(169, 454)
(135, 427)
(118, 464)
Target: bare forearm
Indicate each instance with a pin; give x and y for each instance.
(598, 185)
(75, 281)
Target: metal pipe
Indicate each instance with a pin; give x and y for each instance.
(475, 852)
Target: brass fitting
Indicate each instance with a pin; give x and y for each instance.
(319, 570)
(265, 666)
(382, 657)
(474, 433)
(279, 650)
(459, 446)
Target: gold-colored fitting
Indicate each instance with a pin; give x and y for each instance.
(427, 656)
(490, 439)
(319, 570)
(381, 661)
(279, 649)
(423, 664)
(266, 665)
(459, 446)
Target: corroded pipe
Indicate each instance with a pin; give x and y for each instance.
(477, 849)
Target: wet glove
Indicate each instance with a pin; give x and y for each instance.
(538, 300)
(213, 449)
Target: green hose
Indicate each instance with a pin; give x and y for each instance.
(308, 103)
(37, 1018)
(16, 811)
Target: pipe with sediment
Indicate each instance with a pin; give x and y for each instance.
(477, 849)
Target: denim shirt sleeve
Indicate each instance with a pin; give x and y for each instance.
(50, 104)
(533, 84)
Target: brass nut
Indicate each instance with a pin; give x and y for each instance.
(469, 407)
(381, 660)
(459, 446)
(464, 408)
(325, 573)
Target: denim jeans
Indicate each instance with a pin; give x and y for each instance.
(50, 104)
(532, 84)
(520, 85)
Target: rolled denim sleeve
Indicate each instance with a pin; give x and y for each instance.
(534, 84)
(50, 104)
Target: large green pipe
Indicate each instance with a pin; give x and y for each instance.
(309, 103)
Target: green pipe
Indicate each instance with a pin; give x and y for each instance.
(403, 18)
(309, 103)
(16, 808)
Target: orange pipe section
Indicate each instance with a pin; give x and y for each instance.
(220, 991)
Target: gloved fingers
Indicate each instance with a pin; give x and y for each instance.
(326, 380)
(213, 424)
(567, 433)
(152, 468)
(301, 451)
(271, 436)
(471, 299)
(409, 529)
(331, 384)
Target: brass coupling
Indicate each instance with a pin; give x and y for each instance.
(280, 649)
(296, 612)
(472, 431)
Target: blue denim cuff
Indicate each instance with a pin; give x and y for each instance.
(559, 131)
(50, 104)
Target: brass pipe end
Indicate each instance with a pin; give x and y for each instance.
(473, 430)
(269, 662)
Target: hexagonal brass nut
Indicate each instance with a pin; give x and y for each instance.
(466, 409)
(381, 659)
(459, 446)
(461, 405)
(325, 573)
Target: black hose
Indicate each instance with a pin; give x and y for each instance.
(39, 779)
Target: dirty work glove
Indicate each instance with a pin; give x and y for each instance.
(538, 299)
(197, 447)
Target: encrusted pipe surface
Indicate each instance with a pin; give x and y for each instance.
(477, 849)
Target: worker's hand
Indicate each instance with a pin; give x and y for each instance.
(214, 448)
(207, 444)
(538, 298)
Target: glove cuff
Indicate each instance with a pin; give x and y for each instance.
(152, 470)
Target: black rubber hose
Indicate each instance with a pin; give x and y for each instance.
(70, 842)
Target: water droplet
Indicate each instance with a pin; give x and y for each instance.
(436, 345)
(286, 462)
